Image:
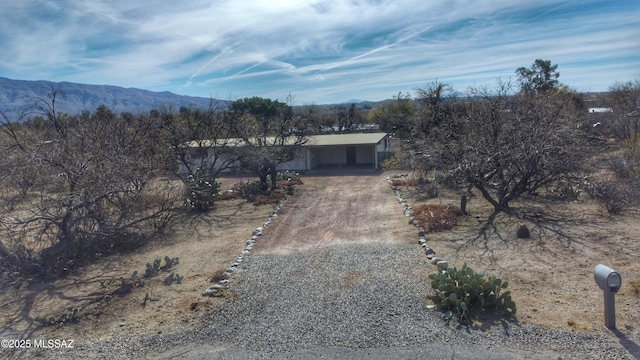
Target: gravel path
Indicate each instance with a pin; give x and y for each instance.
(345, 296)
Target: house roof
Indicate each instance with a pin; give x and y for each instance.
(312, 140)
(345, 139)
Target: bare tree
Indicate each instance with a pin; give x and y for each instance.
(507, 144)
(201, 142)
(624, 118)
(395, 116)
(347, 118)
(623, 123)
(319, 118)
(270, 134)
(81, 186)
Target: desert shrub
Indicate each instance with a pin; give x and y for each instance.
(461, 292)
(201, 191)
(229, 195)
(288, 176)
(151, 271)
(272, 198)
(70, 316)
(283, 184)
(247, 189)
(289, 189)
(413, 181)
(399, 161)
(566, 190)
(626, 165)
(252, 191)
(134, 280)
(289, 183)
(408, 182)
(425, 190)
(614, 197)
(619, 165)
(434, 217)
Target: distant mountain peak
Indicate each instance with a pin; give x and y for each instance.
(354, 101)
(17, 96)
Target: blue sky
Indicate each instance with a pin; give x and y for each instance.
(320, 51)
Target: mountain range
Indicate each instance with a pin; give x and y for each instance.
(18, 96)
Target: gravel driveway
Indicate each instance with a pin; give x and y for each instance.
(340, 274)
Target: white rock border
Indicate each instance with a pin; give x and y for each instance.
(408, 212)
(223, 284)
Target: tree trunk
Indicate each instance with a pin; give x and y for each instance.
(463, 204)
(274, 180)
(487, 196)
(62, 248)
(263, 181)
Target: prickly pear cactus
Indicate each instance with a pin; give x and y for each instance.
(459, 292)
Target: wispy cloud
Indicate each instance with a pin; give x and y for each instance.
(321, 51)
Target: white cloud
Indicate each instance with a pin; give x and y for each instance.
(320, 50)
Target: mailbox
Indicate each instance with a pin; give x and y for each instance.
(607, 279)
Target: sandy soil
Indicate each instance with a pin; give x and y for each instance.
(550, 275)
(204, 244)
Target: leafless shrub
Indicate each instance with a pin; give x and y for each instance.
(615, 197)
(434, 217)
(399, 161)
(272, 198)
(425, 190)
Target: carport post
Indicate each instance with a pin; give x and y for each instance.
(375, 157)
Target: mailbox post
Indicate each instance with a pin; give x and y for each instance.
(610, 282)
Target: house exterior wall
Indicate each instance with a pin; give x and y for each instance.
(383, 145)
(364, 155)
(313, 159)
(332, 155)
(337, 155)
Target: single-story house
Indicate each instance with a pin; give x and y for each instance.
(341, 151)
(332, 151)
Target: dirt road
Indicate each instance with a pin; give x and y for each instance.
(337, 210)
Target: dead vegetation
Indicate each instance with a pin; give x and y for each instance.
(567, 237)
(436, 217)
(113, 294)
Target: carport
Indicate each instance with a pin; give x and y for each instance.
(362, 150)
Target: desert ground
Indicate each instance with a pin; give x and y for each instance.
(550, 275)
